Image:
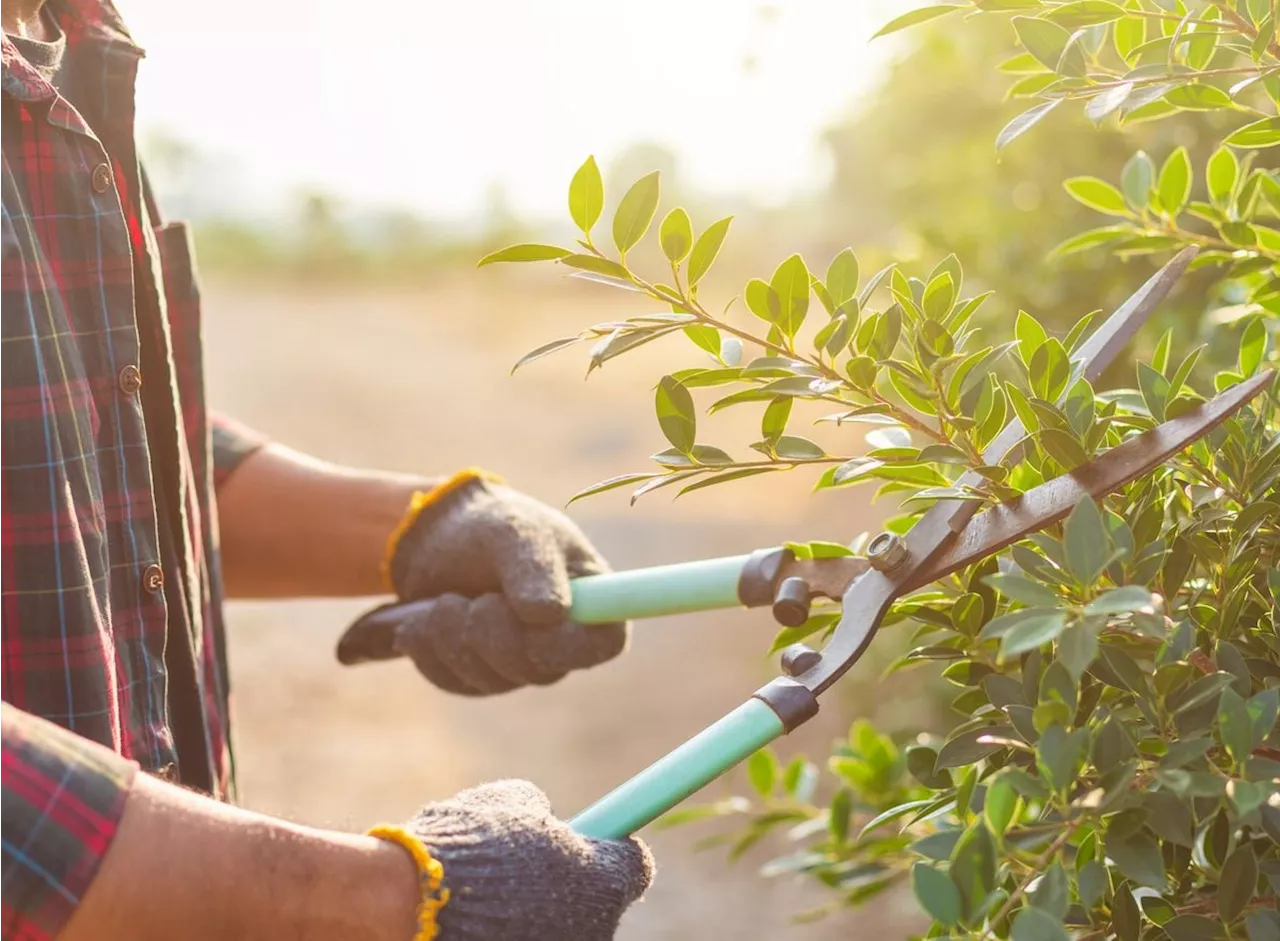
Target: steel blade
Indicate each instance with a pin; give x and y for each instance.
(1042, 506)
(936, 526)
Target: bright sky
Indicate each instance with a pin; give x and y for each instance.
(427, 103)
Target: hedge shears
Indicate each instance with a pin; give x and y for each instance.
(951, 535)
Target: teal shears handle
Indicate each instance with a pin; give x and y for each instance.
(682, 772)
(705, 585)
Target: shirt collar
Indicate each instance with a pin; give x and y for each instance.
(94, 22)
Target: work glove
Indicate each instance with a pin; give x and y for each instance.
(487, 569)
(512, 871)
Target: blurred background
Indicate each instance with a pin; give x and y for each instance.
(344, 168)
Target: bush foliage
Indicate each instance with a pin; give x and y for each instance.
(1113, 763)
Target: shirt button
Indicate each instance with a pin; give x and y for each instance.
(101, 178)
(152, 578)
(130, 380)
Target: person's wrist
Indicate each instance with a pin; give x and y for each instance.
(385, 890)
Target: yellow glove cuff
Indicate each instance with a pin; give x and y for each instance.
(430, 874)
(420, 500)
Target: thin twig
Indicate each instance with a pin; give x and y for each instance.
(1021, 890)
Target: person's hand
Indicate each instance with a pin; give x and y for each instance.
(513, 871)
(489, 570)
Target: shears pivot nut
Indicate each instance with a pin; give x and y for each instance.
(886, 552)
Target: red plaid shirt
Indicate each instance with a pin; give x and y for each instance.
(111, 591)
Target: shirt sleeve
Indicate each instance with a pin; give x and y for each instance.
(232, 443)
(62, 798)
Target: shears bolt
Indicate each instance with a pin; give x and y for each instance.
(799, 659)
(886, 552)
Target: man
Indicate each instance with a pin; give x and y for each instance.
(127, 508)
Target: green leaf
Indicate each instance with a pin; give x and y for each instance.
(1078, 647)
(635, 212)
(1052, 893)
(596, 265)
(1264, 133)
(1263, 710)
(526, 252)
(973, 866)
(1198, 98)
(726, 477)
(1046, 41)
(965, 748)
(914, 17)
(1030, 335)
(1122, 600)
(1128, 35)
(706, 248)
(1236, 886)
(1080, 13)
(1024, 122)
(1248, 796)
(704, 337)
(1034, 924)
(1097, 194)
(1050, 370)
(1174, 184)
(791, 283)
(1136, 180)
(1092, 883)
(1030, 633)
(998, 627)
(1169, 817)
(1235, 725)
(1253, 343)
(1059, 755)
(1155, 390)
(620, 481)
(763, 301)
(838, 814)
(1201, 691)
(545, 350)
(1092, 238)
(939, 297)
(674, 407)
(1221, 174)
(586, 196)
(1137, 855)
(1263, 926)
(937, 894)
(798, 449)
(1086, 543)
(676, 235)
(775, 418)
(1024, 590)
(1000, 804)
(842, 277)
(762, 771)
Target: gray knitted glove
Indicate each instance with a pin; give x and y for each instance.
(515, 872)
(487, 569)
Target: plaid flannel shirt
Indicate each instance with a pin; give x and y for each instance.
(110, 582)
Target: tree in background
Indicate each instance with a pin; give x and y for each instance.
(917, 163)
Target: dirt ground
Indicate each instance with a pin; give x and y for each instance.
(418, 380)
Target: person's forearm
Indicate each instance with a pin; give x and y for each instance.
(185, 866)
(293, 526)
